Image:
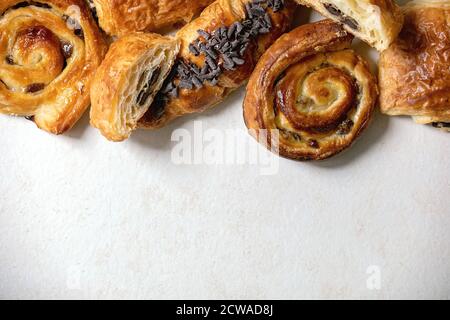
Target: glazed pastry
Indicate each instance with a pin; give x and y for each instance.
(310, 96)
(49, 51)
(121, 17)
(219, 51)
(377, 22)
(128, 79)
(415, 70)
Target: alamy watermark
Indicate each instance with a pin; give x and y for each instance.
(210, 146)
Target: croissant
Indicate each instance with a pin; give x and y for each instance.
(219, 51)
(127, 80)
(49, 52)
(310, 96)
(121, 17)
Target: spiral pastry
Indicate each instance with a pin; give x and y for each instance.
(49, 51)
(310, 95)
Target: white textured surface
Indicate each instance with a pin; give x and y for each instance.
(84, 218)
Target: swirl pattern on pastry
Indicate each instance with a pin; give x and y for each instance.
(310, 95)
(49, 51)
(219, 51)
(127, 81)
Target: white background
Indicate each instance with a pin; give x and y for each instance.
(81, 217)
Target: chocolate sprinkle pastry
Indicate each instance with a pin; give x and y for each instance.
(223, 49)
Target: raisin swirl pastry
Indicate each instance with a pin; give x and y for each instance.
(49, 51)
(312, 92)
(219, 51)
(377, 22)
(128, 79)
(121, 17)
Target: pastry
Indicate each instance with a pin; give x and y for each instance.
(49, 52)
(219, 51)
(310, 96)
(128, 79)
(377, 22)
(121, 17)
(415, 70)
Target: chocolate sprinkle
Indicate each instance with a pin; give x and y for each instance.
(224, 49)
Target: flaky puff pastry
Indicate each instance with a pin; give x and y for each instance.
(232, 39)
(121, 17)
(49, 51)
(377, 22)
(127, 81)
(310, 96)
(415, 70)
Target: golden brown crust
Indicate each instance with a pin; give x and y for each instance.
(415, 70)
(121, 17)
(48, 56)
(220, 13)
(125, 84)
(310, 97)
(377, 22)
